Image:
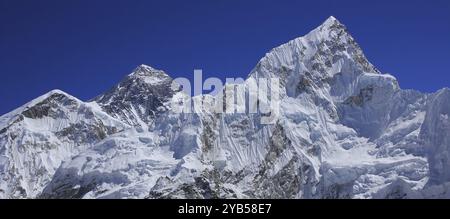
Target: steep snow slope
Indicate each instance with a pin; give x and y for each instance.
(345, 130)
(37, 137)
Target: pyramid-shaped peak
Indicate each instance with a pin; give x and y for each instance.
(331, 22)
(144, 69)
(331, 19)
(328, 30)
(56, 93)
(147, 72)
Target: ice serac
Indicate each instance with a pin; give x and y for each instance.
(140, 97)
(435, 133)
(345, 130)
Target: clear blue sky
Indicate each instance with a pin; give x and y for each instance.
(84, 47)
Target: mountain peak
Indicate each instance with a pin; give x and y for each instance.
(55, 96)
(316, 52)
(331, 20)
(51, 94)
(56, 91)
(148, 74)
(139, 97)
(331, 23)
(144, 68)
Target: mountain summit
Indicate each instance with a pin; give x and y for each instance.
(345, 130)
(139, 97)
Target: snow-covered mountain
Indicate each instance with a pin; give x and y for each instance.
(345, 130)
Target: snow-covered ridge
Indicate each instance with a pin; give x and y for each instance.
(5, 119)
(345, 131)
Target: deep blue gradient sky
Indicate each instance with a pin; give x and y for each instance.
(84, 47)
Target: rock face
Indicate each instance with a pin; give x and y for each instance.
(345, 130)
(139, 98)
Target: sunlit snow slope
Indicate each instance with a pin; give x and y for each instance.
(345, 130)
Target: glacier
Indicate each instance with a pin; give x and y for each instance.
(345, 130)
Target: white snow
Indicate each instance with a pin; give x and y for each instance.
(345, 131)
